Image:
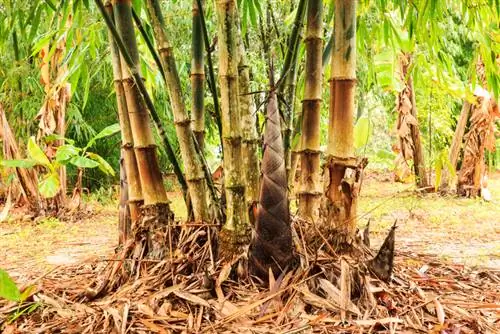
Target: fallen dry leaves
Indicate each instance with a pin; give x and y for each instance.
(424, 295)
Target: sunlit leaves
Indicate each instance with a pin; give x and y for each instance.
(106, 132)
(49, 185)
(362, 132)
(250, 12)
(103, 165)
(83, 162)
(8, 289)
(66, 152)
(36, 153)
(20, 163)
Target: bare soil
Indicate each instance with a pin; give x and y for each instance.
(465, 231)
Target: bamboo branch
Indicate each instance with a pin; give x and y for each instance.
(149, 43)
(211, 73)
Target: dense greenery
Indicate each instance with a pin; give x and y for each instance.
(445, 38)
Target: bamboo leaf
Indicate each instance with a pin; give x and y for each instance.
(252, 13)
(51, 5)
(35, 23)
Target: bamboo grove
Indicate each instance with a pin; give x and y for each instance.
(269, 122)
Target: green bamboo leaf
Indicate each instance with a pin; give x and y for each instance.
(36, 153)
(53, 137)
(104, 166)
(252, 13)
(8, 288)
(35, 23)
(136, 5)
(244, 18)
(43, 41)
(385, 155)
(51, 5)
(28, 291)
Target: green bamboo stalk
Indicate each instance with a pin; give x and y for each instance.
(192, 163)
(250, 144)
(235, 232)
(130, 168)
(144, 147)
(197, 77)
(310, 186)
(134, 72)
(340, 195)
(289, 79)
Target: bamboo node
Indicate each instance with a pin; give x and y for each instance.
(309, 151)
(350, 162)
(184, 122)
(145, 147)
(332, 79)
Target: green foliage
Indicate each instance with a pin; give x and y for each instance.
(362, 132)
(446, 38)
(8, 289)
(49, 185)
(66, 154)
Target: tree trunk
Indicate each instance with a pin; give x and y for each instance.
(151, 235)
(197, 77)
(481, 136)
(272, 246)
(133, 183)
(288, 87)
(192, 162)
(235, 232)
(408, 129)
(456, 144)
(342, 170)
(309, 192)
(418, 154)
(250, 144)
(27, 177)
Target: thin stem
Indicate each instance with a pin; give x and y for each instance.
(148, 41)
(211, 73)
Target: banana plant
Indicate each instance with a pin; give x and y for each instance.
(66, 154)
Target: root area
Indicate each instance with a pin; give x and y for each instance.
(187, 291)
